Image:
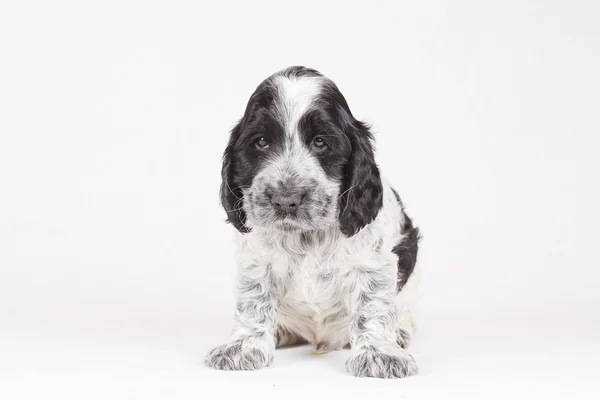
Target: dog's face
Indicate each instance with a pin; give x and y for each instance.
(299, 161)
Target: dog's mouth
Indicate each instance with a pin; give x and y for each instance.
(289, 216)
(288, 223)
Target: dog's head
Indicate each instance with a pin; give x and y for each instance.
(298, 160)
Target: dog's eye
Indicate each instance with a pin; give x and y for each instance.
(319, 143)
(262, 143)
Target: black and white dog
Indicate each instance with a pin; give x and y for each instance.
(325, 252)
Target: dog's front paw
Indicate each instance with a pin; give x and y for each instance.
(381, 364)
(238, 356)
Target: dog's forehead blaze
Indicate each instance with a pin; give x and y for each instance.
(296, 95)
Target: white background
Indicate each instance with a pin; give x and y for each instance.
(116, 272)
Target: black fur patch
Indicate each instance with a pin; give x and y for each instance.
(407, 249)
(241, 159)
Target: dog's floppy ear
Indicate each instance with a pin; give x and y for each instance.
(362, 190)
(232, 198)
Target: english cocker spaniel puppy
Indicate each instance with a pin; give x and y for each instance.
(325, 251)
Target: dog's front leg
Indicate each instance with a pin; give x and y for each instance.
(252, 343)
(375, 351)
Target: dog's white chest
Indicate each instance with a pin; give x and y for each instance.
(312, 299)
(312, 278)
(314, 285)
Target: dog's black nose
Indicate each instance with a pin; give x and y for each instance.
(286, 204)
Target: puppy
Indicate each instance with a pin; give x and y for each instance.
(325, 251)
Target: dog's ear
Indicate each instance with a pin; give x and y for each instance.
(362, 190)
(232, 198)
